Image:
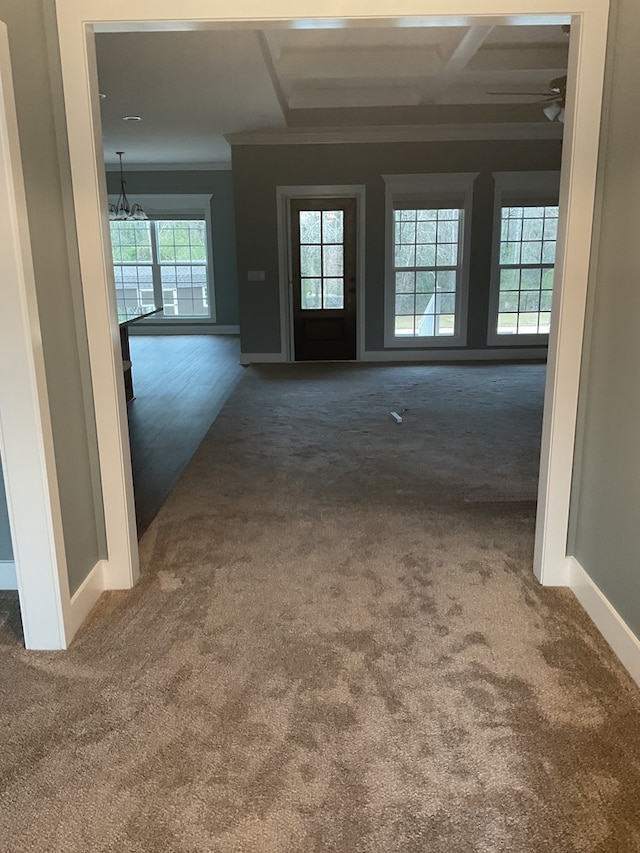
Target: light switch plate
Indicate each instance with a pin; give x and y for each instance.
(255, 275)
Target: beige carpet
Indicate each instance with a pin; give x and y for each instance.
(337, 646)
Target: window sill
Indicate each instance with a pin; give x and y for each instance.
(444, 341)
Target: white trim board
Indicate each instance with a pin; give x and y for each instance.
(434, 356)
(587, 52)
(8, 577)
(86, 596)
(284, 196)
(26, 436)
(439, 355)
(77, 23)
(157, 204)
(606, 618)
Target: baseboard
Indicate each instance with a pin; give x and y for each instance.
(606, 618)
(556, 573)
(410, 355)
(84, 599)
(447, 355)
(226, 330)
(262, 358)
(8, 578)
(159, 328)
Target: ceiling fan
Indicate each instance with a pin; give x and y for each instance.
(554, 98)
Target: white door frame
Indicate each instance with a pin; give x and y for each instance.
(78, 19)
(26, 441)
(284, 196)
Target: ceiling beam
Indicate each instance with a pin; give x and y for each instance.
(266, 51)
(467, 47)
(521, 57)
(347, 97)
(331, 63)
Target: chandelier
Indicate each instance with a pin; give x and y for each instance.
(123, 209)
(554, 112)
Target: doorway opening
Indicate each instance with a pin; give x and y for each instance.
(321, 234)
(586, 63)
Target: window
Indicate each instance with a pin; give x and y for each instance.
(527, 255)
(133, 265)
(428, 219)
(165, 261)
(525, 234)
(321, 259)
(162, 263)
(426, 267)
(182, 257)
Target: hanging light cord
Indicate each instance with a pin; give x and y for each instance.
(123, 210)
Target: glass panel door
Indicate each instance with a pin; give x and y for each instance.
(324, 280)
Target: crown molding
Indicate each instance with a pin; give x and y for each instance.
(421, 133)
(169, 167)
(334, 136)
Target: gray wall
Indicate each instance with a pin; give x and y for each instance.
(258, 170)
(6, 551)
(605, 533)
(36, 75)
(219, 184)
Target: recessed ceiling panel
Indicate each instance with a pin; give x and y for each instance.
(194, 88)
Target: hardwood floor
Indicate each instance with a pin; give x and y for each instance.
(180, 382)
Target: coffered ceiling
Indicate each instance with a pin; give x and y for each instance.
(196, 91)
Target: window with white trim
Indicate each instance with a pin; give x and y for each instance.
(162, 263)
(524, 256)
(527, 256)
(426, 250)
(428, 219)
(165, 261)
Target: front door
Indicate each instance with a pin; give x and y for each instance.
(324, 278)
